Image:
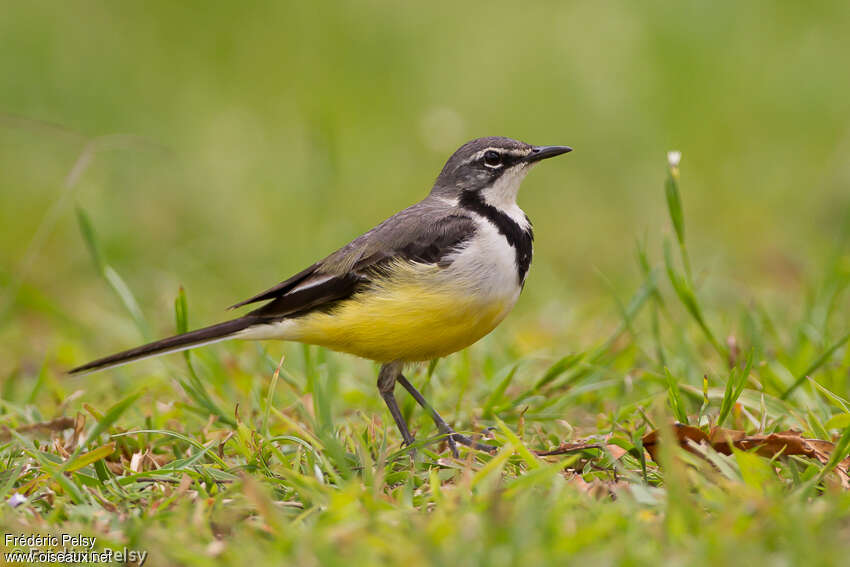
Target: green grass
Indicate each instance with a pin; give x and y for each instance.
(159, 162)
(242, 457)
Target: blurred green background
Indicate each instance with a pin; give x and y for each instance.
(256, 137)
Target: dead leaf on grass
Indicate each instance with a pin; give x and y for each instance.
(771, 445)
(58, 424)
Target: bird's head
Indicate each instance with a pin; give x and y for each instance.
(491, 167)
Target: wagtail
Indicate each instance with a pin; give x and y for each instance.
(427, 282)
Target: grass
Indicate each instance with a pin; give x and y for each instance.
(217, 150)
(236, 455)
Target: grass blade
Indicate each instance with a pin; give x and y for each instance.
(88, 458)
(110, 417)
(194, 387)
(735, 385)
(675, 398)
(674, 205)
(115, 282)
(814, 366)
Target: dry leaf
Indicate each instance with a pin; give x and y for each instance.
(769, 446)
(58, 424)
(599, 489)
(136, 462)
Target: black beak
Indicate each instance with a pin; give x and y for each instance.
(543, 152)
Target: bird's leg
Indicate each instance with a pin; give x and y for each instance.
(451, 436)
(386, 384)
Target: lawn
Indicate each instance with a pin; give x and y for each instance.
(160, 162)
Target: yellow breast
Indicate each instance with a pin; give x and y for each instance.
(416, 313)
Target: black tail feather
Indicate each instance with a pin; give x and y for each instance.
(213, 333)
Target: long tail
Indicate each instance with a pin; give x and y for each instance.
(207, 335)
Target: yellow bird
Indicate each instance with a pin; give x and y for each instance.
(428, 281)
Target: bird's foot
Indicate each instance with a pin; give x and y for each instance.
(453, 438)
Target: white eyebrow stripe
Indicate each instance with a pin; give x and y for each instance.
(518, 152)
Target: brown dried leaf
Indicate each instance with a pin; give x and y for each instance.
(769, 446)
(60, 449)
(158, 460)
(58, 424)
(598, 489)
(683, 433)
(616, 451)
(79, 426)
(116, 468)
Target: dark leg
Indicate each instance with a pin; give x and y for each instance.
(442, 426)
(386, 384)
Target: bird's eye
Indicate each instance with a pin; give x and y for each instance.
(492, 158)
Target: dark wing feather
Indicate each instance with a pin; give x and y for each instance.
(280, 288)
(296, 303)
(425, 232)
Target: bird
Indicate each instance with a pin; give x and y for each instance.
(427, 282)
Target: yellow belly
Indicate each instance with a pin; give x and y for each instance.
(411, 319)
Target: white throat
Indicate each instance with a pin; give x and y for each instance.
(503, 193)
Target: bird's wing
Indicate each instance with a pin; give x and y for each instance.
(426, 232)
(280, 289)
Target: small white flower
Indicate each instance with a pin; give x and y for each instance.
(16, 500)
(673, 158)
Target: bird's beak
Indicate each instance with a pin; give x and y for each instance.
(543, 152)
